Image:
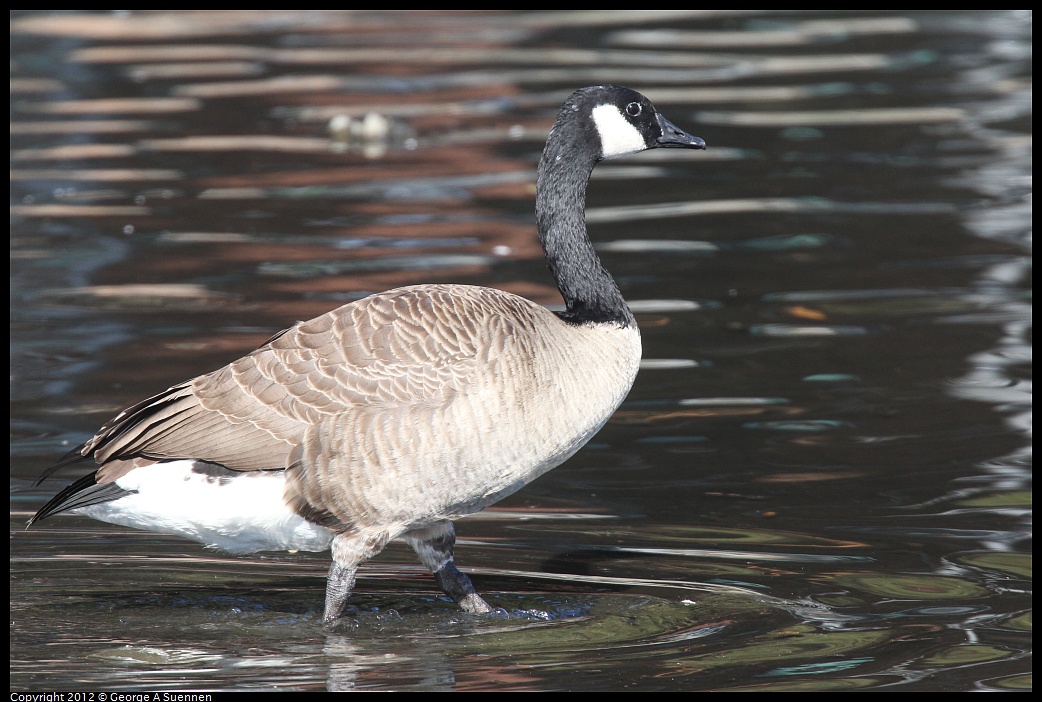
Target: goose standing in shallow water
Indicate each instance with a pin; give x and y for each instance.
(393, 415)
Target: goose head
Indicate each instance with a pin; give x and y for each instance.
(615, 121)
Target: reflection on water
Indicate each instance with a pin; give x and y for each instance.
(821, 479)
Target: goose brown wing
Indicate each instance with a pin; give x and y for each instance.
(416, 346)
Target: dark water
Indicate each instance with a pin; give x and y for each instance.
(821, 479)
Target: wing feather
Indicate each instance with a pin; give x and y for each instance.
(413, 347)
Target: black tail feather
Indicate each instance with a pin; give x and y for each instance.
(82, 493)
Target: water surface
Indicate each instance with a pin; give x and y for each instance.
(821, 479)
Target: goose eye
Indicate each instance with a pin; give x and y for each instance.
(633, 109)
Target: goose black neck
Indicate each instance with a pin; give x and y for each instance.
(590, 293)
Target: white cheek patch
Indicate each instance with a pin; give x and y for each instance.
(618, 136)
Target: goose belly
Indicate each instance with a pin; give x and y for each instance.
(557, 409)
(235, 512)
(414, 468)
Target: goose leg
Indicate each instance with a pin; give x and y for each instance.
(339, 584)
(349, 551)
(458, 586)
(434, 546)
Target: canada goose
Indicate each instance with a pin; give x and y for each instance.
(395, 414)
